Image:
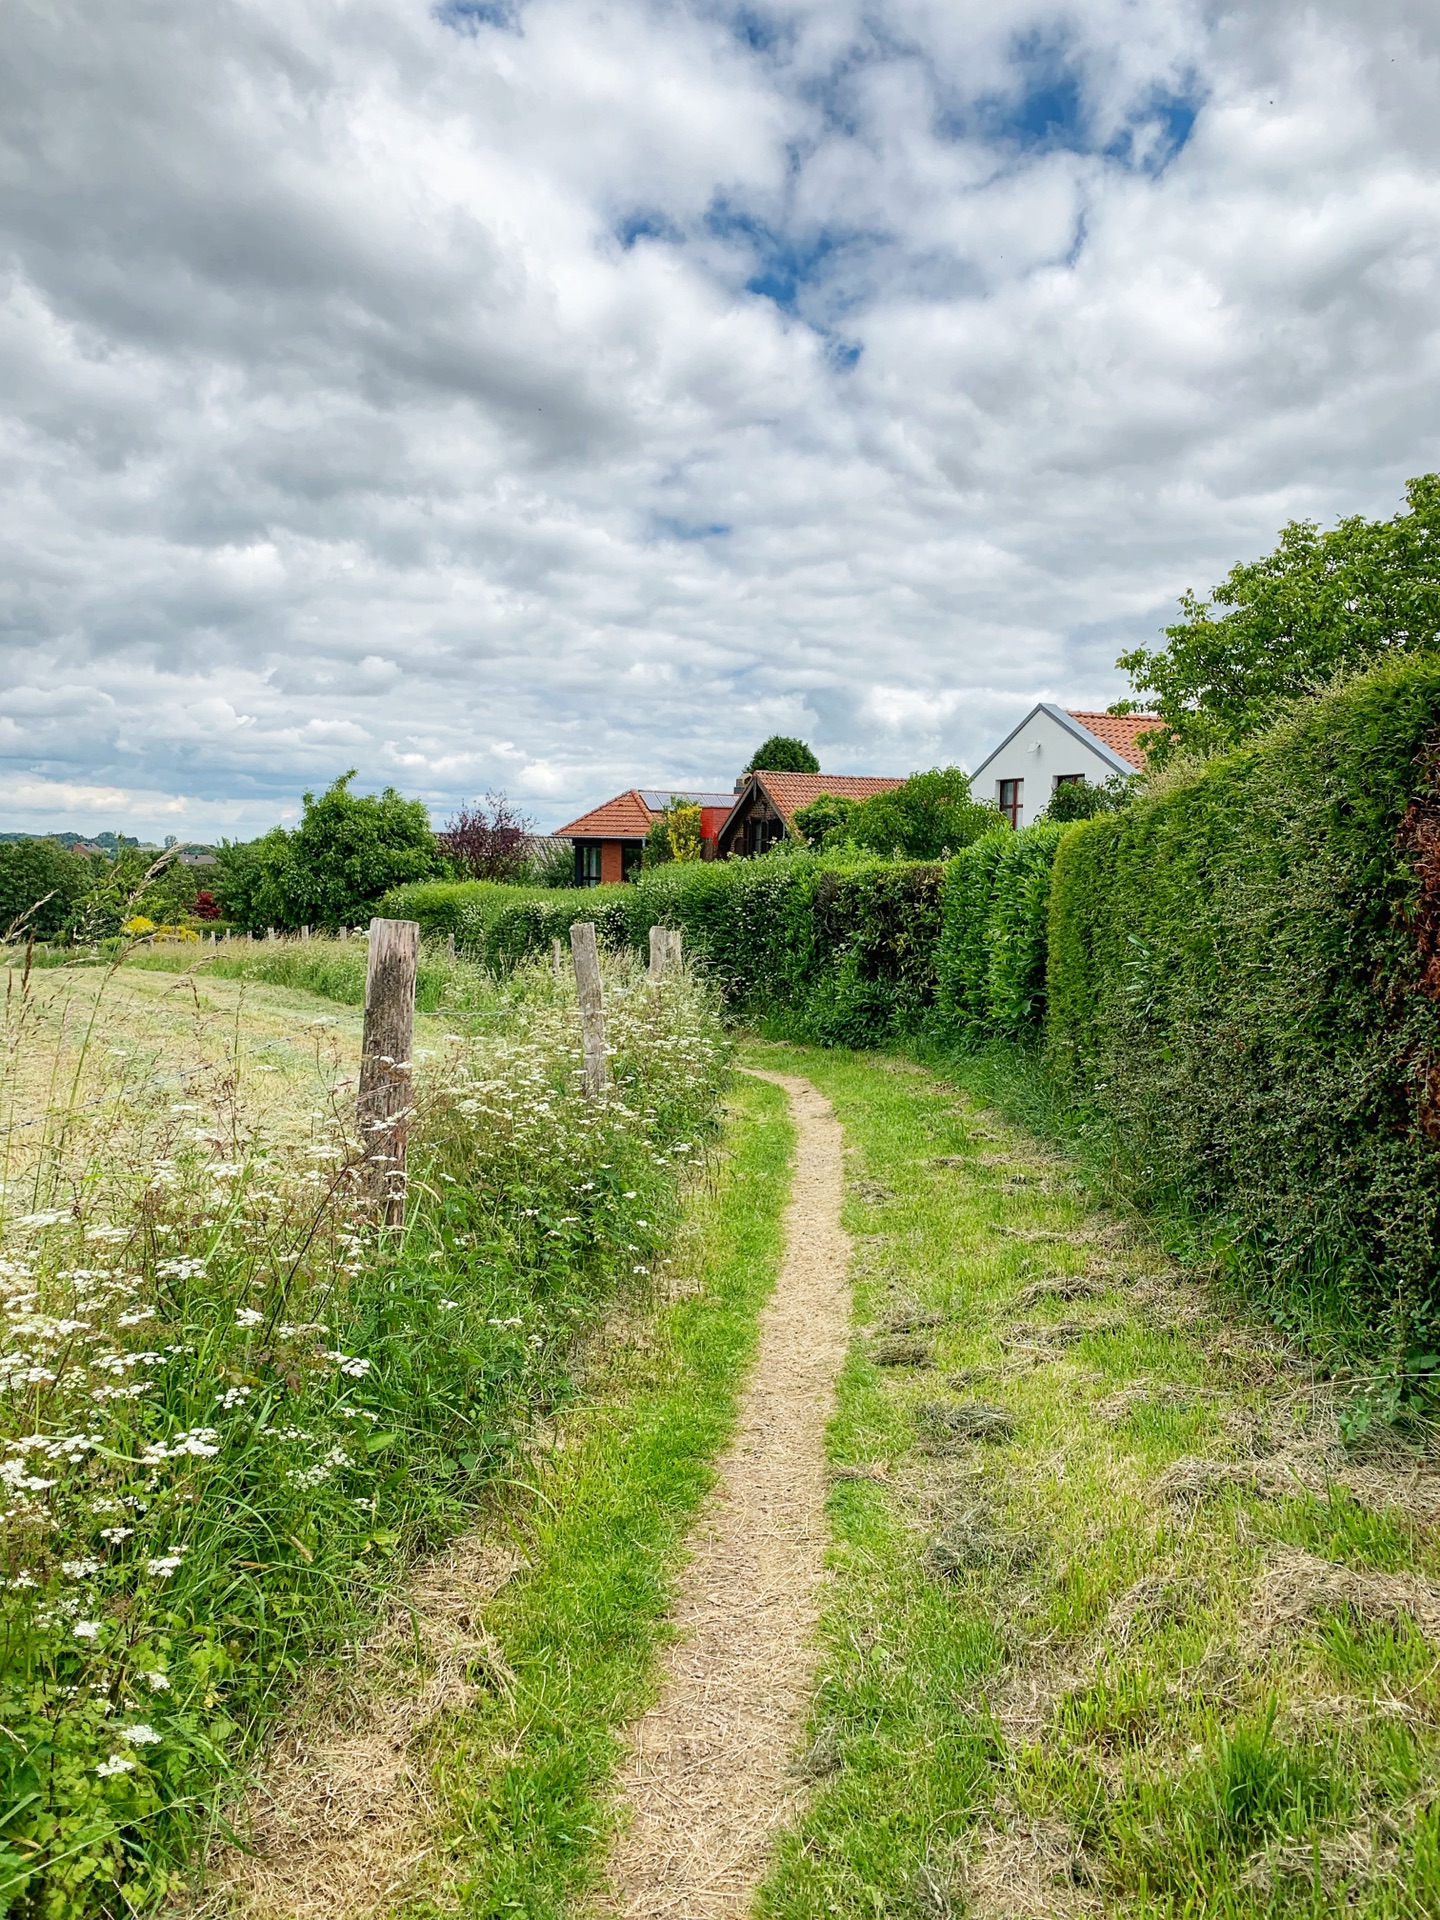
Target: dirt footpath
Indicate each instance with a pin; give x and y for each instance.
(709, 1778)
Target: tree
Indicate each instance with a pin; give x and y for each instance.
(1321, 604)
(930, 815)
(675, 834)
(251, 886)
(781, 754)
(40, 885)
(490, 842)
(349, 849)
(824, 819)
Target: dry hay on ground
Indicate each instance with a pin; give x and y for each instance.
(1295, 1588)
(1029, 1870)
(341, 1820)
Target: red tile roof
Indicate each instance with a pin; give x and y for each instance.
(791, 791)
(626, 817)
(1119, 731)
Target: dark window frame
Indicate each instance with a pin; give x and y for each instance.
(1012, 799)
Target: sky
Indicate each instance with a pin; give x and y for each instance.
(555, 396)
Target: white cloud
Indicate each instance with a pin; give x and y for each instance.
(569, 406)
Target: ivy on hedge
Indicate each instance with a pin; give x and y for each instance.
(1235, 983)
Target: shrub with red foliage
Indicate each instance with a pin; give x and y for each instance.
(490, 842)
(206, 907)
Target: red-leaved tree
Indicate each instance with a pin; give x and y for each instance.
(490, 842)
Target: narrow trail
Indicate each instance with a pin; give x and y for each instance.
(709, 1777)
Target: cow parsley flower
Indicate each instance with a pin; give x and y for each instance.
(117, 1763)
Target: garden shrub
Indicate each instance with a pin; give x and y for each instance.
(992, 950)
(1238, 982)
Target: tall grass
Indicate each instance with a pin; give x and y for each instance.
(333, 968)
(231, 1407)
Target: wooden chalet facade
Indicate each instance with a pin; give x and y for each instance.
(610, 839)
(766, 804)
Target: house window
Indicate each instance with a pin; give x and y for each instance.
(587, 864)
(631, 858)
(1069, 779)
(1010, 800)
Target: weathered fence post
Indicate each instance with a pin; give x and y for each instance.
(383, 1107)
(673, 958)
(659, 952)
(592, 1006)
(450, 945)
(344, 933)
(557, 961)
(305, 933)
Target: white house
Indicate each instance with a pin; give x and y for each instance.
(1050, 748)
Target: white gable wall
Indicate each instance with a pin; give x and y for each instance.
(1042, 748)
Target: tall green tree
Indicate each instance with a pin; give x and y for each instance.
(782, 754)
(40, 883)
(350, 848)
(1320, 605)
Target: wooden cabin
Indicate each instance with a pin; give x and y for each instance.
(610, 839)
(765, 806)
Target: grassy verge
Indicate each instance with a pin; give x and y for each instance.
(517, 1779)
(1117, 1624)
(231, 1410)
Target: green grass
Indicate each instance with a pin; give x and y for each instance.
(1028, 1653)
(521, 1780)
(332, 968)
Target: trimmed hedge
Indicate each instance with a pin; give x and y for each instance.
(993, 941)
(836, 949)
(499, 926)
(1236, 985)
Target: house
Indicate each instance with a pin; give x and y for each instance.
(610, 838)
(765, 804)
(1053, 747)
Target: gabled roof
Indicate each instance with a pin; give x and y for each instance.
(626, 817)
(1119, 731)
(629, 815)
(789, 792)
(1119, 748)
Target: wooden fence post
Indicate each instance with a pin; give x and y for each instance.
(673, 958)
(659, 952)
(557, 961)
(592, 1006)
(450, 945)
(383, 1108)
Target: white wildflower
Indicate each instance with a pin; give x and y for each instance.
(157, 1682)
(86, 1629)
(140, 1735)
(348, 1364)
(164, 1565)
(116, 1534)
(248, 1317)
(79, 1569)
(117, 1763)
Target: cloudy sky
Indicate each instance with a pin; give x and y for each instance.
(558, 395)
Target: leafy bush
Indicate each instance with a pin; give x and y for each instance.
(499, 927)
(824, 819)
(1238, 982)
(489, 842)
(992, 955)
(675, 834)
(1083, 799)
(31, 870)
(929, 817)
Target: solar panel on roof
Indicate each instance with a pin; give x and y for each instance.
(656, 798)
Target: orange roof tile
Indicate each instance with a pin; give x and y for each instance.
(626, 817)
(791, 791)
(1119, 731)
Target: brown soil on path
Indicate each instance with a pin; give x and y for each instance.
(709, 1778)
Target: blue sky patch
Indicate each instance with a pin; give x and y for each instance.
(666, 527)
(468, 16)
(644, 223)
